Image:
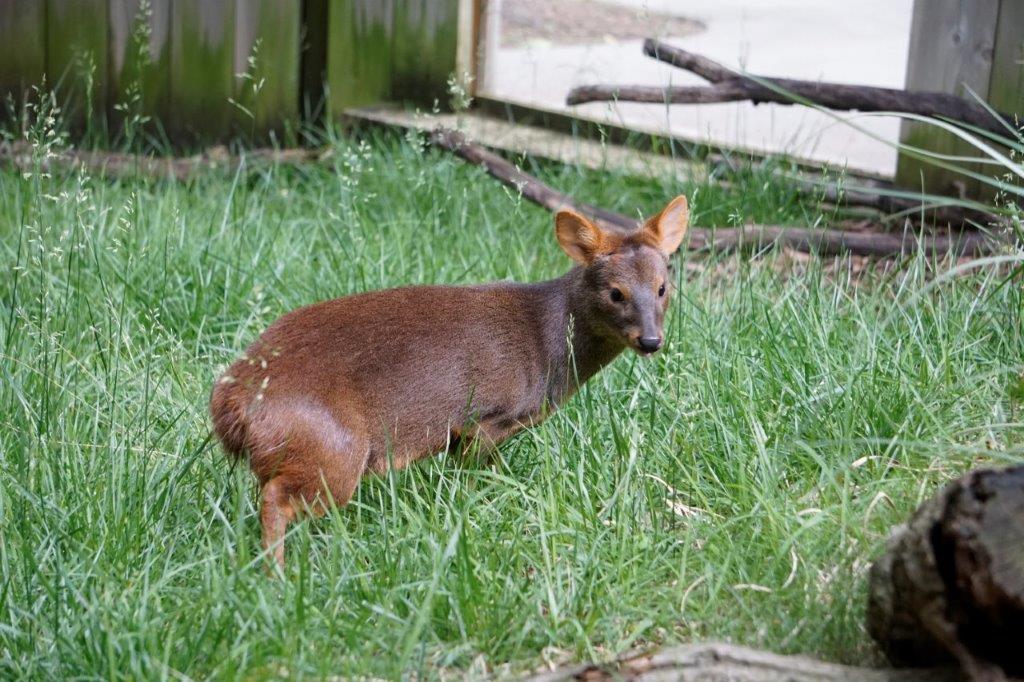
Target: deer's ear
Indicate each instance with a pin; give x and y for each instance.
(581, 239)
(667, 228)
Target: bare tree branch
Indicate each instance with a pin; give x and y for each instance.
(824, 242)
(729, 86)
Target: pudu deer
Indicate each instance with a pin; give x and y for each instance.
(343, 388)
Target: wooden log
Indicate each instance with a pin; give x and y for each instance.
(872, 193)
(739, 87)
(950, 588)
(716, 662)
(823, 242)
(121, 165)
(908, 207)
(708, 69)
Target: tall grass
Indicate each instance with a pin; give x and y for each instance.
(734, 487)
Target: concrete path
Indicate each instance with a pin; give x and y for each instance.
(862, 42)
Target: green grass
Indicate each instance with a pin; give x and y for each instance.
(735, 487)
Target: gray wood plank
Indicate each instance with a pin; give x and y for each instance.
(951, 45)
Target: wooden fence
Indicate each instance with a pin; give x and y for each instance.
(961, 46)
(208, 69)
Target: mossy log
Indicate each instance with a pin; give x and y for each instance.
(950, 588)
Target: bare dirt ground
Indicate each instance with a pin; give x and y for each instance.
(573, 22)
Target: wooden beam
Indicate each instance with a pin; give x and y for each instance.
(951, 46)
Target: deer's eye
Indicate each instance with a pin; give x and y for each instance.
(616, 294)
(661, 289)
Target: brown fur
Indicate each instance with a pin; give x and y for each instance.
(342, 388)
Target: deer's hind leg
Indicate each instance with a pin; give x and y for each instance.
(307, 463)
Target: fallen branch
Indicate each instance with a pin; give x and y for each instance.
(914, 209)
(730, 86)
(835, 242)
(530, 187)
(120, 165)
(907, 207)
(714, 662)
(951, 585)
(824, 242)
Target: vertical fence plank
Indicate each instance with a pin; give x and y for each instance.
(76, 59)
(202, 59)
(1006, 88)
(266, 64)
(140, 61)
(23, 58)
(175, 61)
(314, 59)
(358, 52)
(469, 52)
(951, 46)
(425, 45)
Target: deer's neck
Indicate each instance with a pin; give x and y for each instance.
(576, 346)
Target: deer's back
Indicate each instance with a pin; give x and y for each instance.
(415, 363)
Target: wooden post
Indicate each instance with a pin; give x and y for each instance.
(959, 46)
(490, 39)
(469, 53)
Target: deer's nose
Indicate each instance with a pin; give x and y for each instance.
(649, 344)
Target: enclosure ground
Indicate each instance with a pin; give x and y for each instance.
(734, 487)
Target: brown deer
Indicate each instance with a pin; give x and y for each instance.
(338, 389)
